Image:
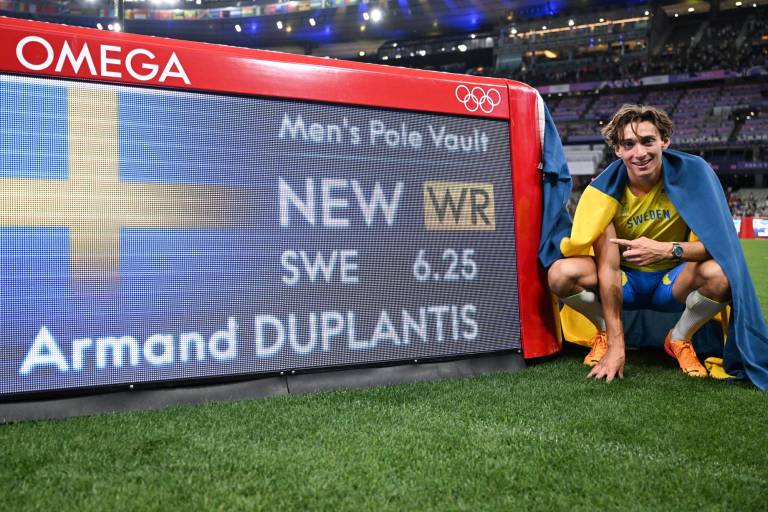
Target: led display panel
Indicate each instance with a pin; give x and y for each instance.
(153, 235)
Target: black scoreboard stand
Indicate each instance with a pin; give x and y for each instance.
(138, 398)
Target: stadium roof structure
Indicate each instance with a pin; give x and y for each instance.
(307, 23)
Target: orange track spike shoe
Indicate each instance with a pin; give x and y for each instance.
(599, 348)
(683, 352)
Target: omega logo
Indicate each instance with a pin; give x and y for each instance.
(478, 98)
(139, 63)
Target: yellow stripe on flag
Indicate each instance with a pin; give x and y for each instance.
(593, 214)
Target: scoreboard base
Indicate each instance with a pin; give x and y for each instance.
(290, 383)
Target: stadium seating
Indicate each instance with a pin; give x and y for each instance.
(754, 130)
(607, 104)
(664, 99)
(571, 108)
(583, 158)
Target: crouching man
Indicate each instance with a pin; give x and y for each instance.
(631, 248)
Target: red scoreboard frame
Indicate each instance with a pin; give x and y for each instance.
(36, 49)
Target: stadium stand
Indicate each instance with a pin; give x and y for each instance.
(664, 99)
(754, 130)
(621, 50)
(749, 202)
(571, 108)
(708, 71)
(604, 107)
(583, 158)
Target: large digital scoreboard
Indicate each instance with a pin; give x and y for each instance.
(178, 211)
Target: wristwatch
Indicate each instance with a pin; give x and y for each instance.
(677, 250)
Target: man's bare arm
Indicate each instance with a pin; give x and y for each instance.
(608, 259)
(645, 251)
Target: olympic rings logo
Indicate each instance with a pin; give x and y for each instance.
(478, 98)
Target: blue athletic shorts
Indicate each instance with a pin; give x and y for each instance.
(650, 290)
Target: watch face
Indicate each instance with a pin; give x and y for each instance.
(677, 251)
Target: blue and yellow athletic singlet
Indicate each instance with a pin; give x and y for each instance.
(653, 216)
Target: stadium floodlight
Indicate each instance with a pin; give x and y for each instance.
(376, 15)
(366, 16)
(647, 13)
(691, 9)
(279, 25)
(385, 57)
(361, 53)
(472, 36)
(543, 27)
(312, 22)
(423, 53)
(288, 28)
(738, 4)
(238, 28)
(571, 23)
(362, 27)
(513, 31)
(462, 48)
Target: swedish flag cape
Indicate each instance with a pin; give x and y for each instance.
(694, 189)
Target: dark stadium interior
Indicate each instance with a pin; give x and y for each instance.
(704, 62)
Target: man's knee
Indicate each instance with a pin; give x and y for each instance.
(563, 277)
(715, 283)
(557, 277)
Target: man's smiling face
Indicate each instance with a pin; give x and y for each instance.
(640, 149)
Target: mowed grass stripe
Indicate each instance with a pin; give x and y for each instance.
(542, 439)
(756, 252)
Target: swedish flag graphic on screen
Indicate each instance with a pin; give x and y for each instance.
(153, 235)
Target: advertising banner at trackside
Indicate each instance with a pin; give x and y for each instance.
(760, 225)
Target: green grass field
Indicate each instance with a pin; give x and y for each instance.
(756, 252)
(542, 439)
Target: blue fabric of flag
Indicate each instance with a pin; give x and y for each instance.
(556, 189)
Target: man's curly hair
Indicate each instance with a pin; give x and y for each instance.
(613, 132)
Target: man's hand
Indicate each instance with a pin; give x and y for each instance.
(610, 366)
(644, 251)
